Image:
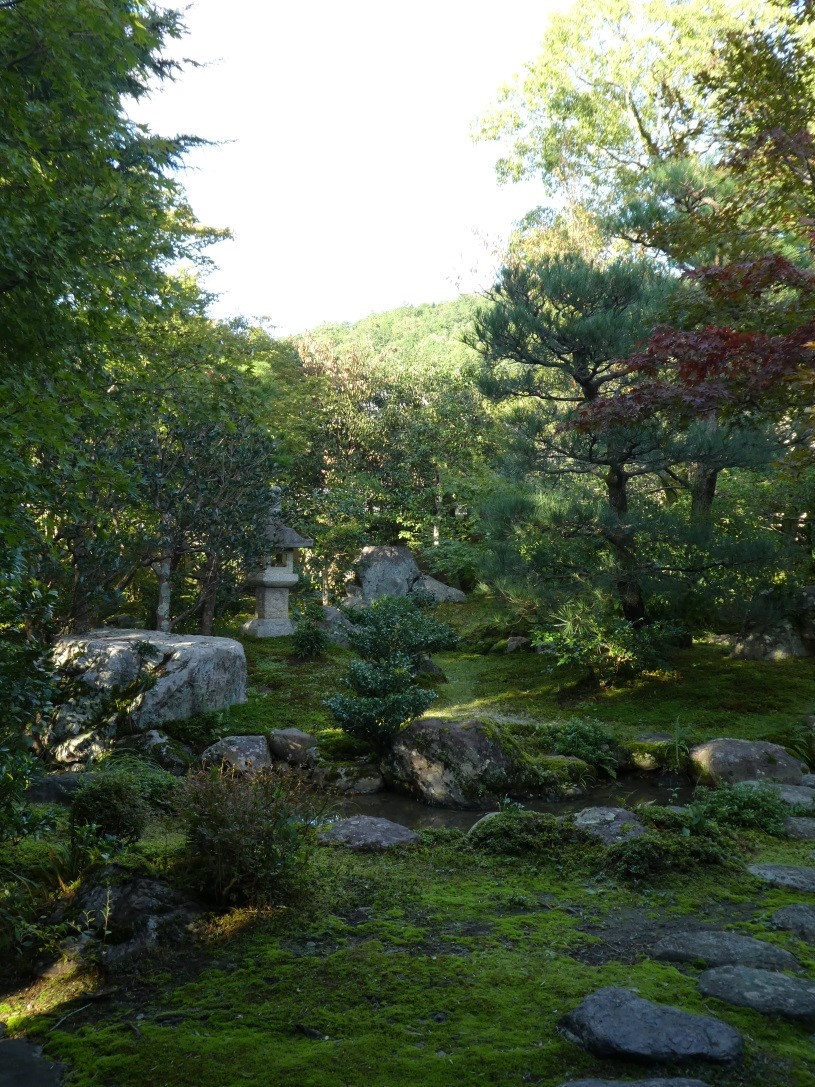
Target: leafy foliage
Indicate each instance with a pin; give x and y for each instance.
(390, 636)
(588, 740)
(606, 647)
(247, 840)
(743, 806)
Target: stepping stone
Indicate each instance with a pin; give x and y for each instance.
(794, 795)
(761, 990)
(792, 876)
(23, 1065)
(723, 949)
(367, 834)
(801, 828)
(798, 919)
(618, 1023)
(610, 825)
(659, 1082)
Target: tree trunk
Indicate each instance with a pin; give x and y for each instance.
(80, 602)
(703, 479)
(210, 596)
(629, 590)
(703, 491)
(162, 569)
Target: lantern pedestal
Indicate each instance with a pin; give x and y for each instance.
(272, 601)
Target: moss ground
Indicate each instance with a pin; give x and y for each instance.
(432, 966)
(438, 965)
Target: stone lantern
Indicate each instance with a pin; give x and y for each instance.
(272, 583)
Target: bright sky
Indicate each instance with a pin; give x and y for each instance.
(347, 172)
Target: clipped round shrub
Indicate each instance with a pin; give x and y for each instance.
(531, 834)
(112, 803)
(309, 641)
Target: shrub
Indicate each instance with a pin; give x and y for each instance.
(397, 625)
(385, 697)
(587, 740)
(391, 637)
(653, 855)
(119, 797)
(750, 807)
(532, 834)
(309, 640)
(113, 804)
(247, 840)
(606, 647)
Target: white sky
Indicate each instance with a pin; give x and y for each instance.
(350, 180)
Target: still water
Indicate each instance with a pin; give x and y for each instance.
(634, 789)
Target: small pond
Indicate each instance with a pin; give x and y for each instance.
(626, 792)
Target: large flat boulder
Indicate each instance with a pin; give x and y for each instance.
(441, 593)
(723, 949)
(802, 828)
(778, 643)
(761, 990)
(796, 796)
(451, 764)
(367, 834)
(140, 678)
(618, 1023)
(728, 761)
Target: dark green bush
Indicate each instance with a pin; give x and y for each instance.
(391, 637)
(654, 855)
(532, 834)
(309, 641)
(247, 840)
(748, 807)
(120, 796)
(587, 740)
(384, 697)
(398, 626)
(113, 804)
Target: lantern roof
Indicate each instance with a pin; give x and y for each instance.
(280, 535)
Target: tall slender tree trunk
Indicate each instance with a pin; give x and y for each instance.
(210, 596)
(80, 603)
(163, 569)
(437, 513)
(629, 589)
(703, 480)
